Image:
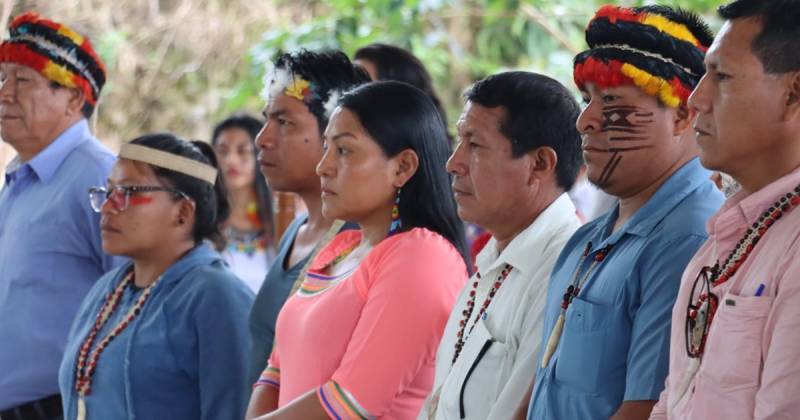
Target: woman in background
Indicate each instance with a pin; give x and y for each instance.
(249, 230)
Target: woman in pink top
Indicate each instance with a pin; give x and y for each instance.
(359, 337)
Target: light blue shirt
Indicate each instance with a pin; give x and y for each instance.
(184, 357)
(50, 255)
(615, 342)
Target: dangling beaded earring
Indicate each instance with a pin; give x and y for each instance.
(396, 223)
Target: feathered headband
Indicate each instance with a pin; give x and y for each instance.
(282, 81)
(656, 48)
(55, 51)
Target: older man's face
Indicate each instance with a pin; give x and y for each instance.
(487, 179)
(32, 112)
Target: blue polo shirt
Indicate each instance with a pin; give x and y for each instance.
(50, 255)
(615, 342)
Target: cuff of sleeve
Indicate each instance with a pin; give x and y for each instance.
(270, 377)
(340, 404)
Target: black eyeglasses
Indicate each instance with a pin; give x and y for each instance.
(120, 195)
(700, 312)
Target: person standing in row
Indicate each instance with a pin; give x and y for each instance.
(301, 92)
(604, 350)
(50, 251)
(165, 335)
(733, 352)
(518, 152)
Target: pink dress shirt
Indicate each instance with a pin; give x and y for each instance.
(366, 342)
(751, 366)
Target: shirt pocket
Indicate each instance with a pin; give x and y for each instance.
(737, 331)
(592, 349)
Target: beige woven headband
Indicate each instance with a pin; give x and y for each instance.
(169, 161)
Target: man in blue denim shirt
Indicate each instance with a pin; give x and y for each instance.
(605, 346)
(50, 250)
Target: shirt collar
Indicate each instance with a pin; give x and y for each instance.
(740, 210)
(46, 162)
(683, 182)
(521, 251)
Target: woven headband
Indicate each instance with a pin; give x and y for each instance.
(657, 49)
(57, 52)
(169, 161)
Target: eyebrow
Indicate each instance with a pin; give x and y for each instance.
(275, 114)
(339, 136)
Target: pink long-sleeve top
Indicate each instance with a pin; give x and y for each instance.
(751, 366)
(367, 341)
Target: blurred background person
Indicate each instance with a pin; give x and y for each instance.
(249, 231)
(388, 62)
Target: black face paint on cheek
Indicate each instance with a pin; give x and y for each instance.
(623, 124)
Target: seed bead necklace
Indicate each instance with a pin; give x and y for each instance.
(467, 312)
(745, 246)
(571, 293)
(87, 359)
(723, 273)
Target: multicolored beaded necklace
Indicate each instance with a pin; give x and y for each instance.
(467, 312)
(87, 359)
(571, 293)
(737, 257)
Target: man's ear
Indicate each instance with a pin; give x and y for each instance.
(793, 95)
(76, 101)
(543, 164)
(407, 165)
(684, 116)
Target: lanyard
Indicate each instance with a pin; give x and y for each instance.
(575, 286)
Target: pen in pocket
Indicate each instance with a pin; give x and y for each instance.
(760, 290)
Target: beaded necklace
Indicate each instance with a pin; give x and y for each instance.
(87, 359)
(467, 312)
(571, 293)
(722, 273)
(701, 314)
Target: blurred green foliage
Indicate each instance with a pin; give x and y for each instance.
(459, 41)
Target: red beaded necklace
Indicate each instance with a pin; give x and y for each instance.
(701, 314)
(467, 312)
(87, 359)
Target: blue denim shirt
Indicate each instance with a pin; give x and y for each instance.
(183, 357)
(50, 255)
(615, 343)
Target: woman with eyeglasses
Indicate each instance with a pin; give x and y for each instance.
(165, 335)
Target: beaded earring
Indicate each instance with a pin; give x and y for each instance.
(396, 223)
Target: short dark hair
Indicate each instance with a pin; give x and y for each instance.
(540, 111)
(328, 71)
(87, 110)
(211, 201)
(251, 125)
(395, 63)
(399, 116)
(778, 43)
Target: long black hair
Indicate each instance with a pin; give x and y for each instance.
(399, 116)
(395, 63)
(211, 201)
(251, 125)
